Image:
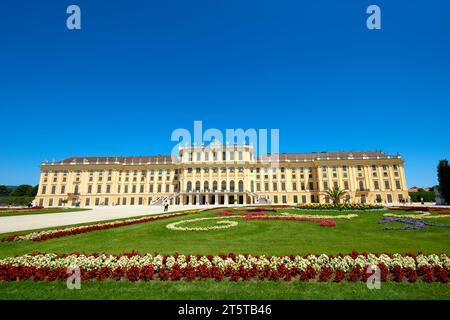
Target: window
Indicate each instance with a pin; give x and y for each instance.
(283, 186)
(53, 189)
(240, 155)
(89, 190)
(376, 185)
(361, 185)
(87, 201)
(275, 199)
(325, 185)
(142, 188)
(224, 185)
(389, 198)
(346, 185)
(397, 185)
(274, 186)
(295, 199)
(284, 199)
(63, 189)
(133, 189)
(206, 156)
(167, 187)
(231, 155)
(294, 186)
(99, 188)
(386, 184)
(108, 188)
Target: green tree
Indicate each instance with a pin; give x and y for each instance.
(4, 191)
(443, 171)
(336, 194)
(23, 190)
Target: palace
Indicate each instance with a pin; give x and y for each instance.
(217, 174)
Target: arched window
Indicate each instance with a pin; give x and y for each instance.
(189, 186)
(231, 185)
(206, 186)
(197, 186)
(224, 185)
(241, 186)
(215, 186)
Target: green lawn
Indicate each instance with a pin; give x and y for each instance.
(210, 289)
(6, 213)
(362, 233)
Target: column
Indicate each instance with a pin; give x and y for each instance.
(225, 198)
(197, 199)
(216, 200)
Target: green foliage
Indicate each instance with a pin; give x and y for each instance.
(23, 190)
(4, 191)
(17, 201)
(336, 194)
(428, 196)
(20, 196)
(443, 171)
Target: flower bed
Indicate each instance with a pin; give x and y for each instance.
(339, 207)
(232, 267)
(58, 233)
(425, 215)
(412, 224)
(260, 215)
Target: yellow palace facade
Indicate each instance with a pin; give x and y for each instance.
(222, 175)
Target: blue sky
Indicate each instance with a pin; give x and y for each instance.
(140, 69)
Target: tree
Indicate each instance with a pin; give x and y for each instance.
(23, 190)
(4, 191)
(336, 194)
(443, 171)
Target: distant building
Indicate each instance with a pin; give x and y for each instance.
(218, 174)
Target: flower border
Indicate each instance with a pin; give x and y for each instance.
(243, 267)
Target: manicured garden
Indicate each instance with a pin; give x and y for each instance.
(285, 249)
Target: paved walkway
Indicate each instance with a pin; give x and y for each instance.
(39, 221)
